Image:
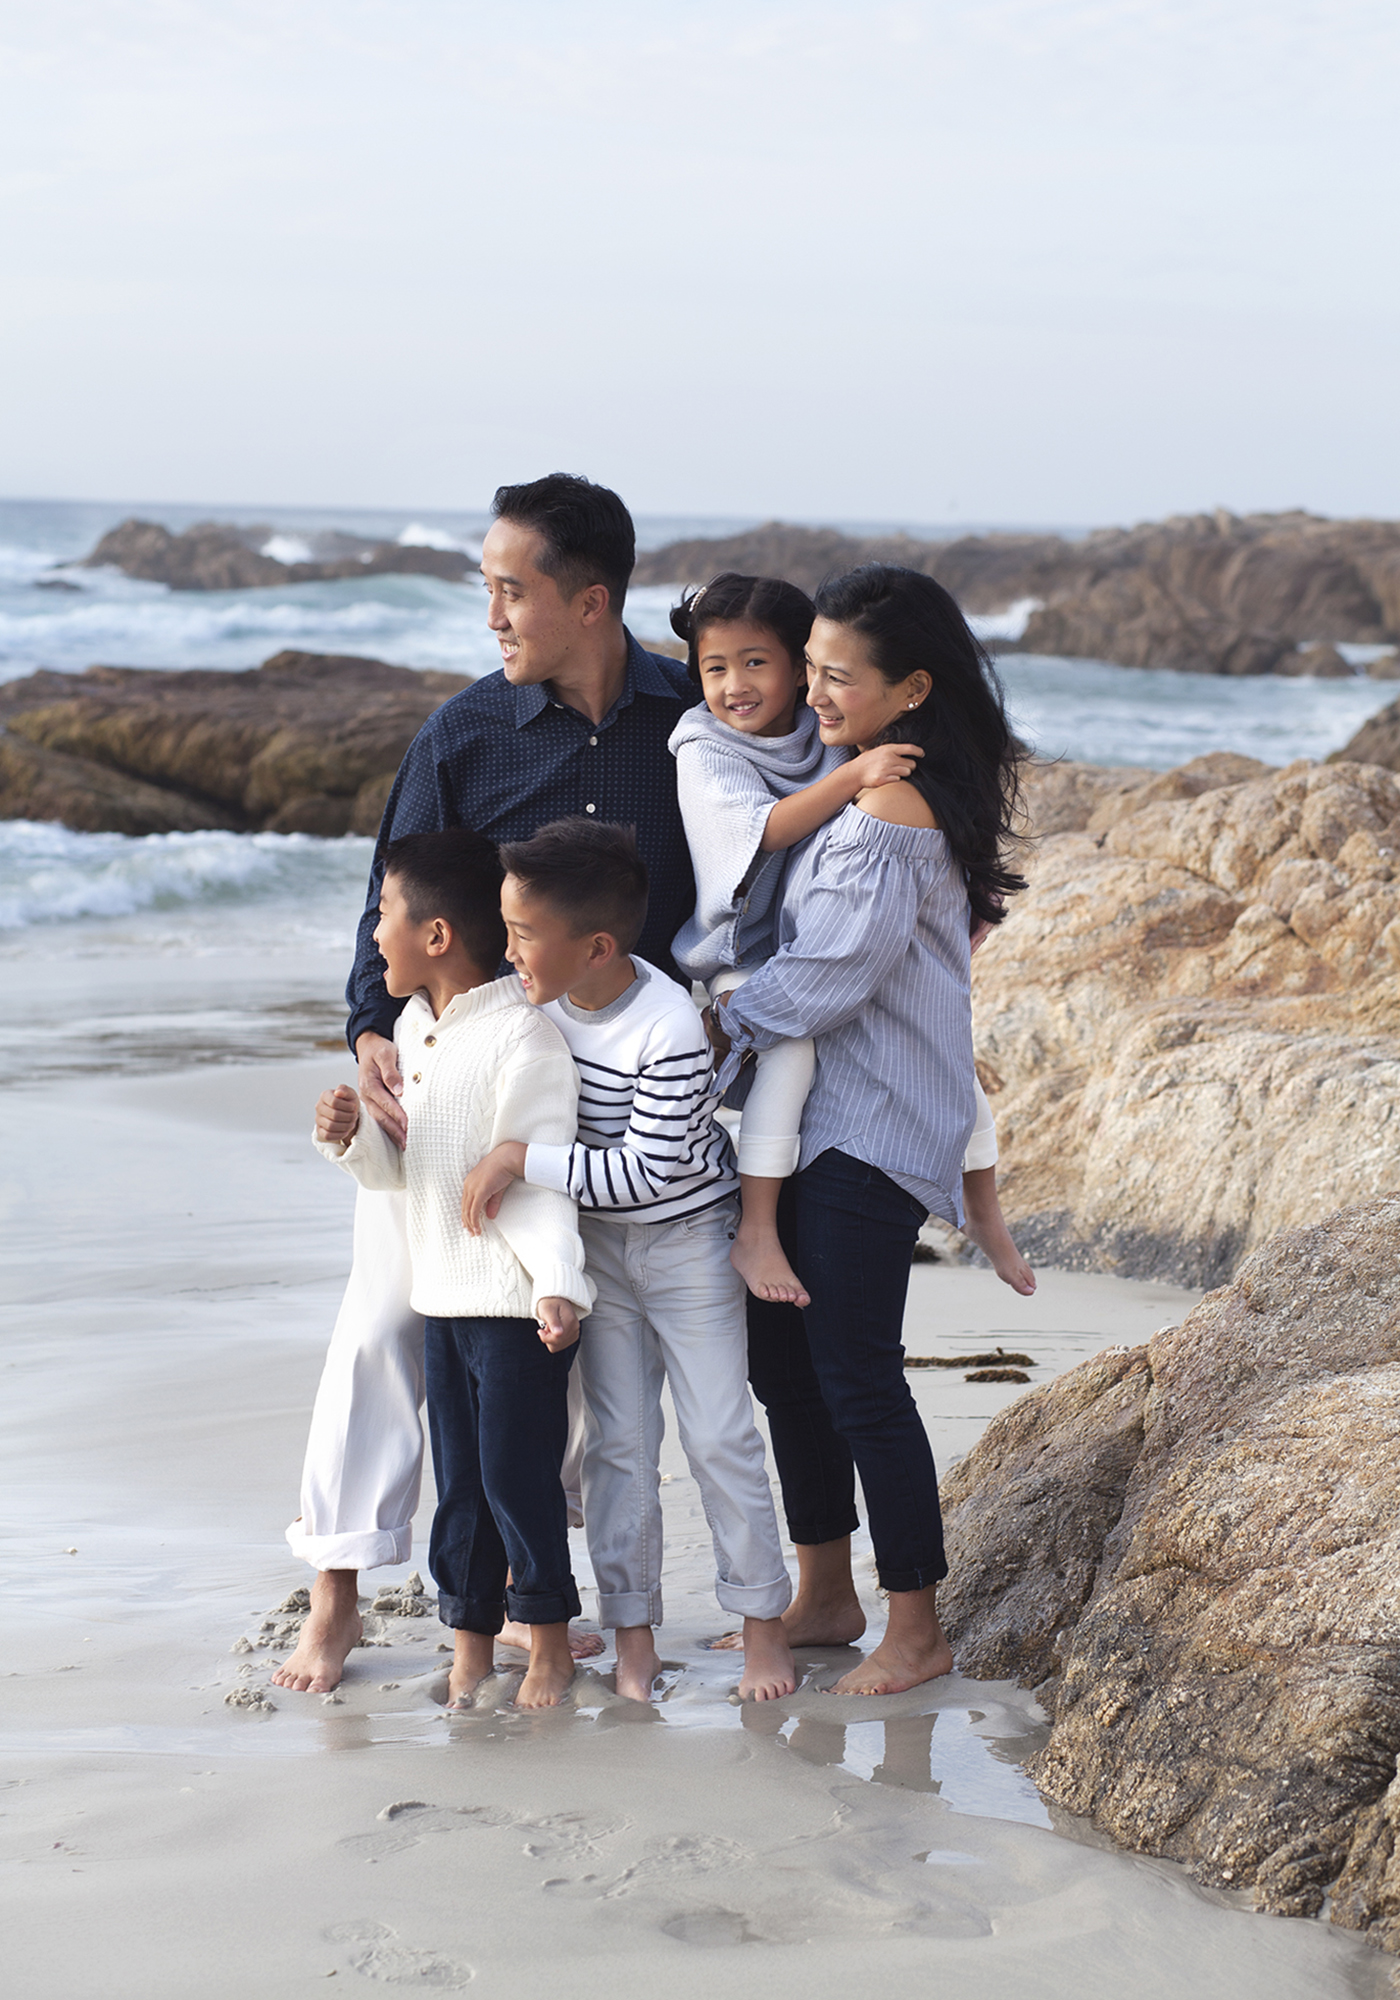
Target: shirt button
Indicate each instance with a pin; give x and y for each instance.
(593, 739)
(430, 1041)
(590, 809)
(418, 1076)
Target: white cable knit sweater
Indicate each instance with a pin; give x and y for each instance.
(489, 1068)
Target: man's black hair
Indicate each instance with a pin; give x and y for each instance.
(586, 534)
(588, 872)
(455, 875)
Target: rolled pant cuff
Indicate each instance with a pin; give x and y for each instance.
(811, 1533)
(911, 1579)
(471, 1614)
(543, 1607)
(370, 1548)
(755, 1600)
(629, 1607)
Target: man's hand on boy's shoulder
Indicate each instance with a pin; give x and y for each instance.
(558, 1324)
(337, 1115)
(381, 1084)
(487, 1182)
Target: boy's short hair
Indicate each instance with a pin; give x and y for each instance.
(588, 872)
(455, 875)
(586, 534)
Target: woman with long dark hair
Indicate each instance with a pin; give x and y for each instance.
(874, 964)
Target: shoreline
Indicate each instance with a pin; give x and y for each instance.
(175, 1255)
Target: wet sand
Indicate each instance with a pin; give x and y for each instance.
(173, 1254)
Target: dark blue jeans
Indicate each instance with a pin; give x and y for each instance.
(498, 1419)
(832, 1376)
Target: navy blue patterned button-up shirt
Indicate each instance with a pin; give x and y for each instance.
(506, 760)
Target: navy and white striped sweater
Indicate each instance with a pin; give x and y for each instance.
(648, 1147)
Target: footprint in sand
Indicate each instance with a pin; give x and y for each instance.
(377, 1954)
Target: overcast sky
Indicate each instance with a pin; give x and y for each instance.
(1069, 261)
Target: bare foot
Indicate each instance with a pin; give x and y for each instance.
(758, 1258)
(638, 1663)
(473, 1661)
(333, 1627)
(769, 1670)
(551, 1668)
(984, 1222)
(582, 1645)
(913, 1650)
(826, 1610)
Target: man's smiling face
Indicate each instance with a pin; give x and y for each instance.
(536, 627)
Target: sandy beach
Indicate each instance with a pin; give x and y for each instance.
(173, 1256)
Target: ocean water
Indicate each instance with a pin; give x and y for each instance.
(96, 926)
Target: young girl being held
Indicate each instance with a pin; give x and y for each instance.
(754, 780)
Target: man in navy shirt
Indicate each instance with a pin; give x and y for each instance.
(576, 722)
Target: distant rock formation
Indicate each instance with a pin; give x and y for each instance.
(1191, 1550)
(214, 556)
(1189, 1024)
(305, 743)
(1207, 593)
(1377, 741)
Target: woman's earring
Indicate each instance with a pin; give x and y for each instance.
(913, 704)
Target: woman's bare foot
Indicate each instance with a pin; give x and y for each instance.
(913, 1650)
(332, 1629)
(473, 1661)
(769, 1670)
(638, 1663)
(759, 1259)
(582, 1645)
(826, 1610)
(550, 1670)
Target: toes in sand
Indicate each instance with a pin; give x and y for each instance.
(332, 1630)
(769, 1669)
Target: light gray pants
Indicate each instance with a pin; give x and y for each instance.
(670, 1307)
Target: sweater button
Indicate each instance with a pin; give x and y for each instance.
(418, 1076)
(430, 1041)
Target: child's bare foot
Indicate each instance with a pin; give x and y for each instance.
(551, 1668)
(913, 1650)
(332, 1629)
(759, 1259)
(582, 1645)
(984, 1222)
(638, 1663)
(826, 1610)
(769, 1670)
(473, 1661)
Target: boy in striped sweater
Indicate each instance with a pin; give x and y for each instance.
(656, 1187)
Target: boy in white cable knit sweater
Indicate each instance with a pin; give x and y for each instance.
(502, 1306)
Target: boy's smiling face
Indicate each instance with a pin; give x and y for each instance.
(403, 942)
(548, 956)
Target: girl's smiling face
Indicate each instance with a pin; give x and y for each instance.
(854, 702)
(748, 678)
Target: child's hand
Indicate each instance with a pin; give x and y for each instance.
(884, 765)
(337, 1115)
(558, 1324)
(715, 1032)
(487, 1182)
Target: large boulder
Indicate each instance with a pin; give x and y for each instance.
(1209, 593)
(306, 743)
(213, 555)
(1192, 1551)
(1188, 1026)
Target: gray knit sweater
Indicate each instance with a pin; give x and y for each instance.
(728, 783)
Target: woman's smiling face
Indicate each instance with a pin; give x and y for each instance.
(854, 702)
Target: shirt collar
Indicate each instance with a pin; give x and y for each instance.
(643, 677)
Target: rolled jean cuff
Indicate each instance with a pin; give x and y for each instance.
(912, 1579)
(543, 1607)
(811, 1533)
(755, 1600)
(629, 1607)
(370, 1548)
(472, 1614)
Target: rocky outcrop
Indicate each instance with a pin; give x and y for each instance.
(212, 555)
(1208, 593)
(1192, 1551)
(1188, 1026)
(1377, 741)
(306, 743)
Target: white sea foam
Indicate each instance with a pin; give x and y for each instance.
(286, 549)
(1007, 624)
(50, 876)
(417, 535)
